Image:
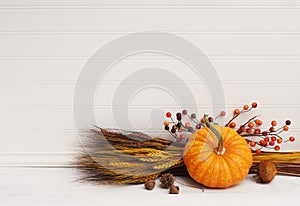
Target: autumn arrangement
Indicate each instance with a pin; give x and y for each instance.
(213, 155)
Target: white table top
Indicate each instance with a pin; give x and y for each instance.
(58, 186)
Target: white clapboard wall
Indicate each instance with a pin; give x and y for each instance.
(253, 45)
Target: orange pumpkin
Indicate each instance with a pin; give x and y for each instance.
(217, 157)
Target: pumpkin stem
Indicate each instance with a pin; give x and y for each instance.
(220, 149)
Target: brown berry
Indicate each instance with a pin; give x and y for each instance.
(266, 171)
(288, 122)
(174, 189)
(150, 184)
(193, 116)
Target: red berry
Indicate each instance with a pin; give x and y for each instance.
(251, 125)
(266, 139)
(202, 120)
(252, 144)
(265, 133)
(285, 128)
(232, 125)
(246, 107)
(262, 143)
(277, 148)
(256, 131)
(242, 128)
(193, 115)
(257, 151)
(292, 139)
(279, 141)
(273, 138)
(272, 129)
(249, 130)
(254, 105)
(273, 123)
(168, 114)
(223, 113)
(258, 122)
(236, 112)
(271, 143)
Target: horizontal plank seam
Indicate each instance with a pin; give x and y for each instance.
(105, 32)
(181, 7)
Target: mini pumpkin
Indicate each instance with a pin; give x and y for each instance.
(217, 157)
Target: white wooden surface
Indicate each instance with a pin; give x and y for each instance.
(253, 45)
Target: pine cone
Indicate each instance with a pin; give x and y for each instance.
(166, 180)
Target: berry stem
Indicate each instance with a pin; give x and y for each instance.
(250, 120)
(236, 115)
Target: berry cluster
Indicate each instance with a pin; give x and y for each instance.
(257, 138)
(270, 138)
(183, 127)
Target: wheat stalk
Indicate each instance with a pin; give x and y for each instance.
(123, 157)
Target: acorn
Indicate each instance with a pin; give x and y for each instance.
(150, 184)
(266, 171)
(174, 189)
